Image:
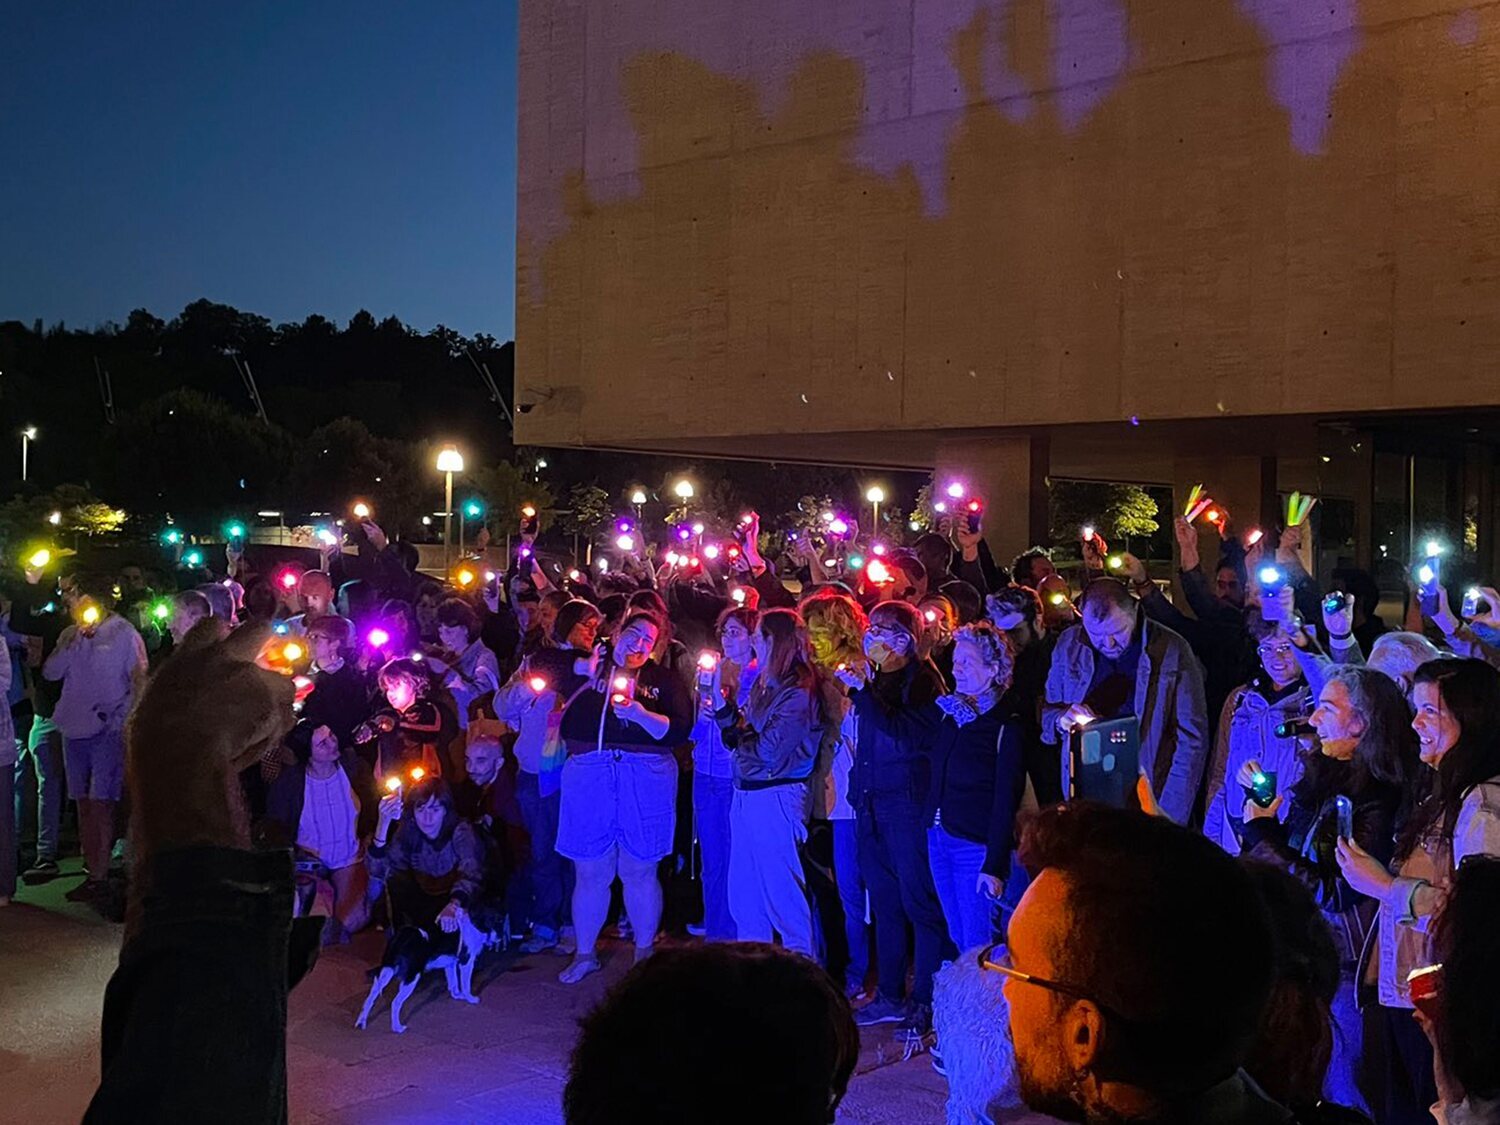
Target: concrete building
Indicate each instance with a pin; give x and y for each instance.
(1254, 243)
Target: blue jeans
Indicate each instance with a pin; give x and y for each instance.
(852, 894)
(893, 858)
(711, 800)
(548, 873)
(955, 867)
(40, 785)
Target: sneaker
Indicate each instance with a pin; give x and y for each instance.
(87, 891)
(918, 1019)
(41, 871)
(538, 943)
(880, 1010)
(856, 992)
(580, 968)
(937, 1060)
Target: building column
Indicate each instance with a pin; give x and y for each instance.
(1008, 472)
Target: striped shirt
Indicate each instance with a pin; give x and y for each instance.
(329, 816)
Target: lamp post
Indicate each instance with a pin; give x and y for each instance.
(449, 461)
(28, 435)
(638, 501)
(876, 497)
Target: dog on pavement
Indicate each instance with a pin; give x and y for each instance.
(413, 950)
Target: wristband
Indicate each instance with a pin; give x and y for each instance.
(1339, 636)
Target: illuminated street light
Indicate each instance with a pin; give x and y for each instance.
(449, 461)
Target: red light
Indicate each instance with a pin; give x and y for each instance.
(878, 573)
(538, 684)
(708, 661)
(1214, 516)
(289, 580)
(617, 698)
(975, 505)
(733, 552)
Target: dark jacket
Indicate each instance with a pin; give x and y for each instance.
(1304, 845)
(338, 700)
(285, 796)
(1023, 704)
(984, 574)
(659, 689)
(1168, 702)
(893, 719)
(978, 779)
(1217, 635)
(195, 1015)
(777, 738)
(30, 619)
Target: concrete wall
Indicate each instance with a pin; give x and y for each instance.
(795, 216)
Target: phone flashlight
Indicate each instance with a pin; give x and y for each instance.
(711, 552)
(878, 573)
(327, 537)
(930, 616)
(708, 662)
(838, 526)
(941, 507)
(1472, 598)
(976, 509)
(1088, 533)
(956, 490)
(1272, 578)
(537, 684)
(625, 543)
(418, 773)
(489, 575)
(737, 595)
(603, 564)
(379, 638)
(624, 526)
(361, 511)
(39, 559)
(1115, 562)
(393, 785)
(1255, 536)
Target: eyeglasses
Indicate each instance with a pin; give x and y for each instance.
(996, 958)
(1284, 649)
(886, 631)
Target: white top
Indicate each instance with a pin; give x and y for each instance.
(98, 673)
(329, 817)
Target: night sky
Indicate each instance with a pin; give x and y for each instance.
(284, 158)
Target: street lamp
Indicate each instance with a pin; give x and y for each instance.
(449, 461)
(55, 519)
(28, 435)
(683, 489)
(876, 497)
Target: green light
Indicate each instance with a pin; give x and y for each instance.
(856, 561)
(171, 536)
(161, 611)
(193, 558)
(473, 509)
(236, 530)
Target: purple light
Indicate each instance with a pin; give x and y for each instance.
(624, 526)
(379, 638)
(839, 527)
(684, 534)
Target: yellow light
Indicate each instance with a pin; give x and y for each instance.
(40, 559)
(528, 511)
(361, 511)
(292, 651)
(1057, 599)
(683, 489)
(392, 784)
(876, 495)
(1116, 562)
(418, 773)
(91, 615)
(450, 460)
(465, 577)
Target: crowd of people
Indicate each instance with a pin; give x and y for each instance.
(867, 755)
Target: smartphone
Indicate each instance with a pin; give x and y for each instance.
(708, 664)
(1474, 603)
(1425, 986)
(975, 515)
(1262, 788)
(1345, 809)
(1429, 573)
(1272, 579)
(531, 521)
(1333, 603)
(1104, 762)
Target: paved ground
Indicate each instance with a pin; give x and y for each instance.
(504, 1060)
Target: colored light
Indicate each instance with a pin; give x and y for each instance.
(956, 490)
(1213, 515)
(1255, 536)
(694, 562)
(236, 530)
(171, 536)
(975, 506)
(684, 534)
(732, 551)
(625, 543)
(878, 573)
(856, 561)
(288, 579)
(1258, 779)
(1116, 562)
(193, 558)
(161, 611)
(292, 651)
(1269, 575)
(418, 773)
(708, 661)
(624, 526)
(392, 784)
(91, 615)
(711, 552)
(39, 559)
(361, 511)
(537, 684)
(737, 595)
(472, 509)
(379, 638)
(465, 577)
(528, 511)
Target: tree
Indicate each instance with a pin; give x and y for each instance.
(588, 510)
(504, 488)
(1118, 510)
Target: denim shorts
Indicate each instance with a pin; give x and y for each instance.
(618, 798)
(95, 766)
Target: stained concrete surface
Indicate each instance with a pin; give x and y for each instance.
(504, 1060)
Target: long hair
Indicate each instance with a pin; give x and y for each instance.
(1387, 749)
(1470, 691)
(787, 663)
(835, 629)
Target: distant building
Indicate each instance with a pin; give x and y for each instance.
(1250, 243)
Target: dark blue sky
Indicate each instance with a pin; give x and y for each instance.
(285, 158)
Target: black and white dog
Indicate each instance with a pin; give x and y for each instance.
(412, 950)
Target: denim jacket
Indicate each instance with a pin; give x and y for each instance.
(1247, 731)
(1169, 703)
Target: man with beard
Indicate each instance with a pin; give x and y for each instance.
(1138, 966)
